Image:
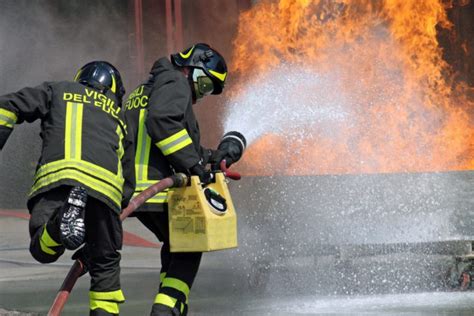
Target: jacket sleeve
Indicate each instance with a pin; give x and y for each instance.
(28, 104)
(166, 123)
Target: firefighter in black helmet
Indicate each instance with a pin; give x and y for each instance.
(82, 179)
(161, 121)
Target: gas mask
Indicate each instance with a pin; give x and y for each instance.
(202, 84)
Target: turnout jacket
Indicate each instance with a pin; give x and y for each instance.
(164, 130)
(84, 139)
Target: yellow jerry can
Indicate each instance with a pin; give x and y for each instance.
(202, 218)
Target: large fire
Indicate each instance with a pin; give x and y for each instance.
(407, 113)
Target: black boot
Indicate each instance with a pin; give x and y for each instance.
(163, 310)
(73, 230)
(100, 312)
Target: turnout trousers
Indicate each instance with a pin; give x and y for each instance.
(100, 252)
(178, 269)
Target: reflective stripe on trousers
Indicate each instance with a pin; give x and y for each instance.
(107, 301)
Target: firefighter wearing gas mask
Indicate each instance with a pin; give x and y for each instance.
(78, 189)
(161, 121)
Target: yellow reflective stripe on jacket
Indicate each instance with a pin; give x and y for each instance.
(73, 131)
(175, 142)
(108, 301)
(89, 167)
(97, 178)
(77, 175)
(7, 118)
(166, 300)
(142, 158)
(160, 197)
(176, 284)
(120, 151)
(142, 154)
(46, 242)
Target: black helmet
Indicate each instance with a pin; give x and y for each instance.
(102, 76)
(206, 58)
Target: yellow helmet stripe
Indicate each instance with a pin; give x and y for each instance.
(218, 75)
(186, 56)
(114, 85)
(77, 75)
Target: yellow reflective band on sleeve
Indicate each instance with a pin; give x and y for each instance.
(177, 285)
(97, 178)
(7, 118)
(174, 143)
(218, 75)
(73, 131)
(46, 242)
(142, 155)
(166, 300)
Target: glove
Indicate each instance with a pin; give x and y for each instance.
(206, 176)
(231, 148)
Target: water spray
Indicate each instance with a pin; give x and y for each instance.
(289, 101)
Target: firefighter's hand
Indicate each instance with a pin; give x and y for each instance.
(231, 148)
(206, 176)
(217, 156)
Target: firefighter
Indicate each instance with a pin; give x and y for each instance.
(161, 121)
(79, 186)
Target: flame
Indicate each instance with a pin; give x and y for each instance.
(407, 113)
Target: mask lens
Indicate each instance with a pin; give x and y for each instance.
(204, 83)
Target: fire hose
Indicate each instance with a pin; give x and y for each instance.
(77, 269)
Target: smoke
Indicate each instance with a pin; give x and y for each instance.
(48, 41)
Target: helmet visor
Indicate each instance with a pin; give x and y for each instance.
(203, 84)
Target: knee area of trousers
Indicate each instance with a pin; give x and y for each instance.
(42, 257)
(104, 257)
(44, 248)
